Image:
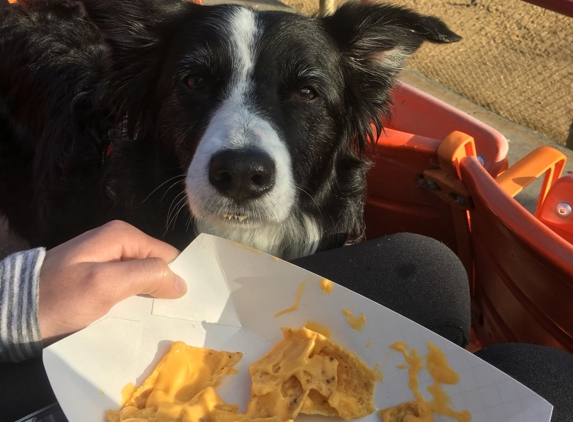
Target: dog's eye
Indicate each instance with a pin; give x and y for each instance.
(197, 81)
(306, 93)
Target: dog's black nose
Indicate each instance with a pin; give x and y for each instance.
(242, 174)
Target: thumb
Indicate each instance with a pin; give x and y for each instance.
(151, 276)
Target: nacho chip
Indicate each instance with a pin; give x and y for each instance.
(181, 374)
(341, 384)
(283, 402)
(305, 372)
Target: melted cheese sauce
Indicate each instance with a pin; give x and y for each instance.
(127, 392)
(179, 388)
(420, 410)
(296, 300)
(326, 286)
(356, 322)
(438, 366)
(284, 364)
(309, 373)
(301, 373)
(415, 365)
(183, 373)
(319, 328)
(245, 247)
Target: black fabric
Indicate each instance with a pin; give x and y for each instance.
(547, 371)
(24, 388)
(414, 275)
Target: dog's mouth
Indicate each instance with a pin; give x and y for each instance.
(235, 218)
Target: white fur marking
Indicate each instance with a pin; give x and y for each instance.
(236, 125)
(291, 239)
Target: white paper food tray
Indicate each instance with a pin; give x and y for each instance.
(233, 294)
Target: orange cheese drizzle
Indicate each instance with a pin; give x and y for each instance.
(415, 365)
(438, 367)
(327, 286)
(245, 247)
(355, 322)
(296, 300)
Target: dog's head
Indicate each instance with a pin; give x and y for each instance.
(267, 113)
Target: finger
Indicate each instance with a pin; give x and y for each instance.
(150, 276)
(117, 241)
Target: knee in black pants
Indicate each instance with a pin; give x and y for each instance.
(413, 275)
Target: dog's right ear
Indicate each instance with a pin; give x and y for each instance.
(137, 33)
(374, 41)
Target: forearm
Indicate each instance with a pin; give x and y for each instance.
(20, 336)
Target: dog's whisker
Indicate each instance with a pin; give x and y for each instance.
(158, 187)
(318, 207)
(169, 188)
(180, 205)
(172, 207)
(189, 221)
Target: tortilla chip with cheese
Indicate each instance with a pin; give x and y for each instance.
(305, 372)
(341, 384)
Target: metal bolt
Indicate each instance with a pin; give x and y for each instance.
(432, 185)
(563, 209)
(481, 160)
(461, 200)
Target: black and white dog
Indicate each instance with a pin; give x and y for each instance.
(181, 119)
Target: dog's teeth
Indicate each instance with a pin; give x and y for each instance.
(234, 217)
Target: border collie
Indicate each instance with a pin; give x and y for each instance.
(181, 119)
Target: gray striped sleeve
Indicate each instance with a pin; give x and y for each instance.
(20, 337)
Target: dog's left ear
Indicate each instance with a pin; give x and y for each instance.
(375, 40)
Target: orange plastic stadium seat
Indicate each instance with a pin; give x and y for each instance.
(399, 198)
(556, 210)
(443, 174)
(414, 111)
(523, 270)
(522, 280)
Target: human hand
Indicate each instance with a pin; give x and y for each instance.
(82, 279)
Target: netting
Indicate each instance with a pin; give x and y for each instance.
(516, 59)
